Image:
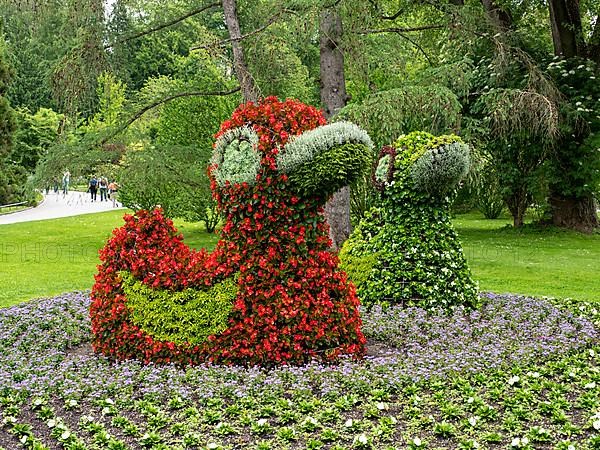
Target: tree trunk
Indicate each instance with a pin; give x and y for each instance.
(334, 98)
(574, 213)
(567, 34)
(500, 17)
(517, 205)
(247, 85)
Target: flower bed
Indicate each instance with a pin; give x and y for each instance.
(432, 389)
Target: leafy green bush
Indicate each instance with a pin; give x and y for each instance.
(187, 316)
(330, 170)
(406, 251)
(173, 177)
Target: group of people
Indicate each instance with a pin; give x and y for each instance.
(107, 190)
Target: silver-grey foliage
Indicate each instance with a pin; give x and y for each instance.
(303, 148)
(236, 156)
(439, 170)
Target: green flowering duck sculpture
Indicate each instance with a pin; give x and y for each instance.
(270, 292)
(405, 251)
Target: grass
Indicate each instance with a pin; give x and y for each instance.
(53, 256)
(533, 261)
(45, 258)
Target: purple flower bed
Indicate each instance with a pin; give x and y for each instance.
(507, 330)
(44, 350)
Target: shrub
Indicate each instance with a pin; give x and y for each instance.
(187, 316)
(407, 246)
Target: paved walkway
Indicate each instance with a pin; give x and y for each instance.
(59, 205)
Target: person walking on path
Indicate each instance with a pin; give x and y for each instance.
(103, 182)
(112, 192)
(66, 179)
(93, 187)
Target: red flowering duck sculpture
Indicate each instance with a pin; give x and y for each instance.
(270, 292)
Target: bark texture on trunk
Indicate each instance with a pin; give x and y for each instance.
(567, 34)
(499, 16)
(574, 213)
(334, 98)
(247, 85)
(517, 205)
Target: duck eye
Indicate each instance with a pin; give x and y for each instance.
(236, 157)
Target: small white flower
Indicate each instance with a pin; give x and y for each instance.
(572, 374)
(72, 402)
(38, 402)
(525, 441)
(473, 421)
(212, 446)
(363, 439)
(592, 352)
(470, 400)
(417, 441)
(65, 435)
(513, 380)
(348, 423)
(110, 401)
(381, 406)
(393, 420)
(571, 447)
(591, 385)
(23, 439)
(51, 423)
(596, 425)
(9, 419)
(516, 442)
(261, 422)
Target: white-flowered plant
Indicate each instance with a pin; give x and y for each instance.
(303, 148)
(236, 156)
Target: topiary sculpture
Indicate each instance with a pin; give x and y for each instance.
(405, 251)
(271, 291)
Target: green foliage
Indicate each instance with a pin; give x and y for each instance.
(36, 133)
(278, 69)
(575, 163)
(330, 170)
(419, 259)
(173, 177)
(388, 114)
(488, 191)
(356, 256)
(7, 119)
(188, 316)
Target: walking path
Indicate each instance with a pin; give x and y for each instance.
(59, 205)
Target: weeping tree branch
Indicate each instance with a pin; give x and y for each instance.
(274, 18)
(162, 101)
(403, 30)
(170, 23)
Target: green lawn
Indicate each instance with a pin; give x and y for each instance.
(53, 256)
(538, 262)
(50, 257)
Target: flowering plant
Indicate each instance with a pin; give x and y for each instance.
(292, 303)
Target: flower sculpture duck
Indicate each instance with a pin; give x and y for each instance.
(405, 251)
(270, 292)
